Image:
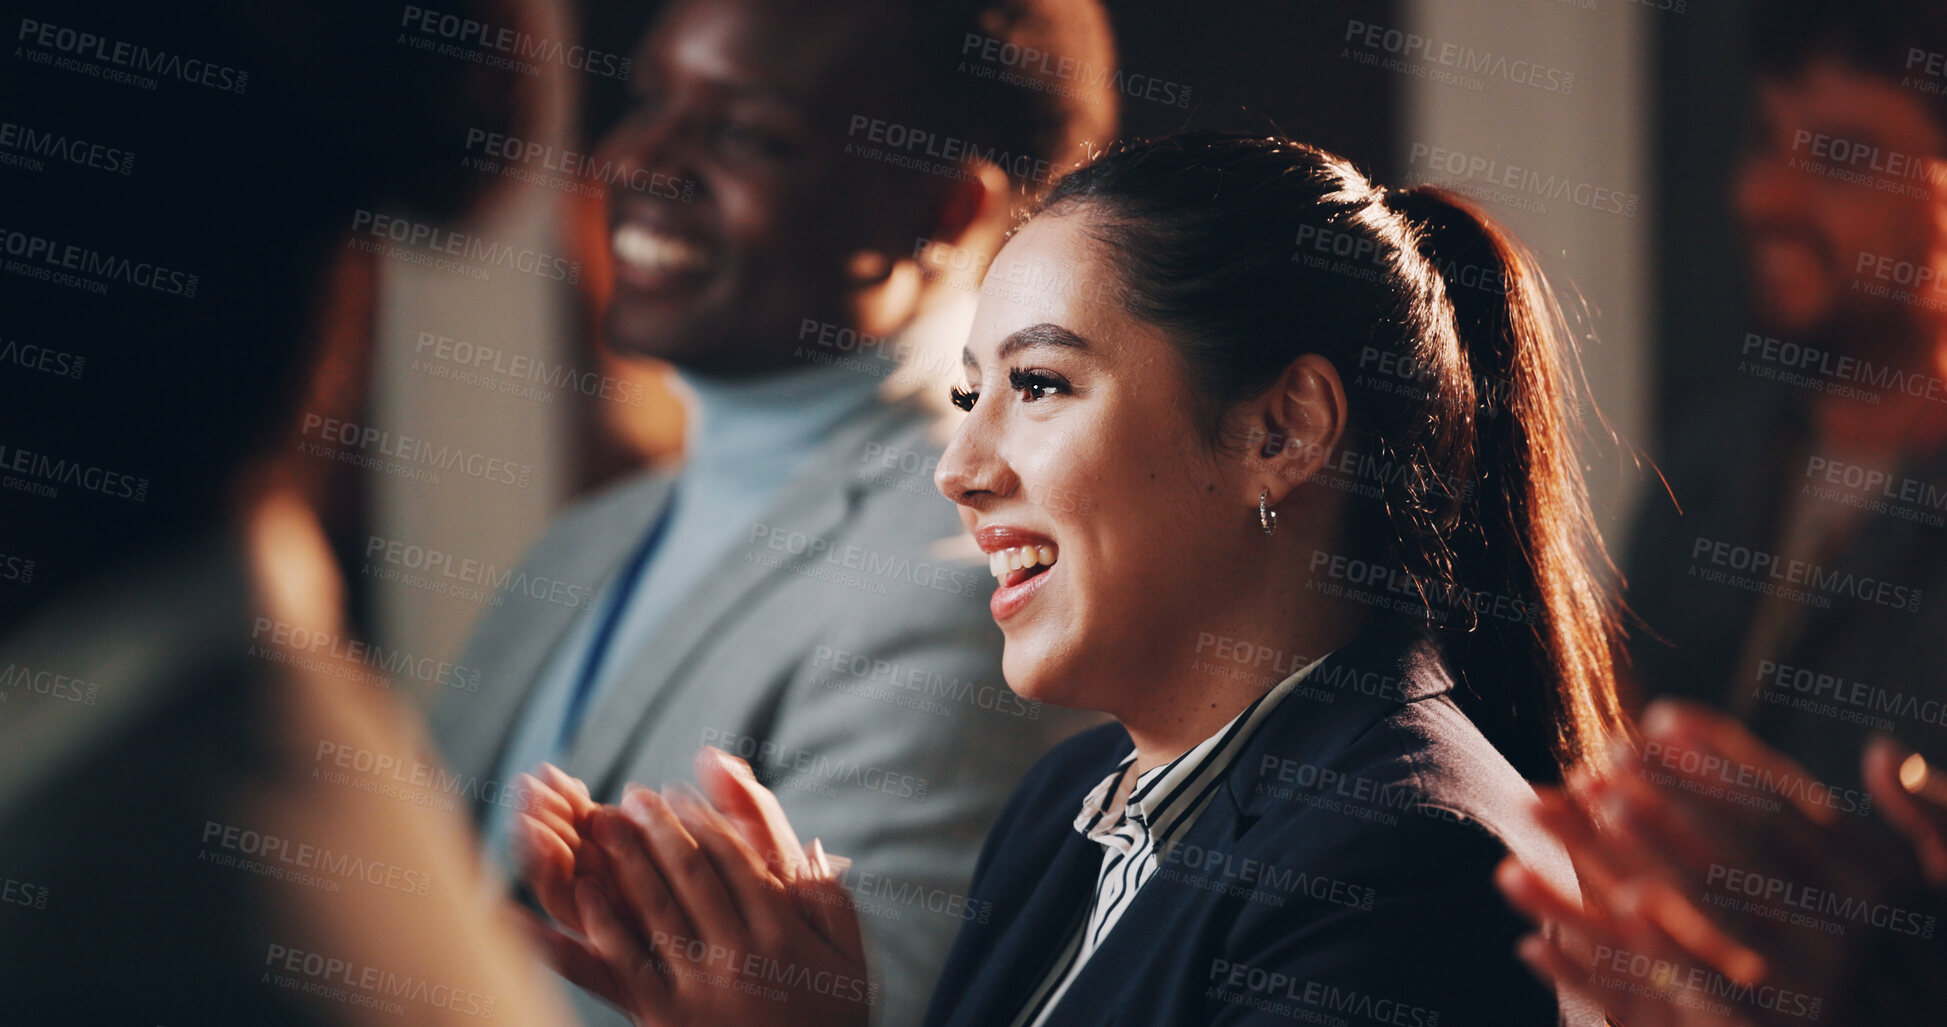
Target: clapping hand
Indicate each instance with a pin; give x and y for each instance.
(686, 909)
(1712, 865)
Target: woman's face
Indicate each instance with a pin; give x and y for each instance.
(1079, 449)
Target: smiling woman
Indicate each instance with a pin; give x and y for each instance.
(1356, 469)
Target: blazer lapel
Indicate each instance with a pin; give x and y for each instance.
(815, 505)
(1014, 967)
(522, 637)
(1399, 650)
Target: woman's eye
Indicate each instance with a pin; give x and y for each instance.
(1035, 385)
(963, 398)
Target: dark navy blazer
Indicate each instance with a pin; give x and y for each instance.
(1342, 874)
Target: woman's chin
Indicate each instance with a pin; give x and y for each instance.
(1038, 679)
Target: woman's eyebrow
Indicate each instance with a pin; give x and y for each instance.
(1043, 334)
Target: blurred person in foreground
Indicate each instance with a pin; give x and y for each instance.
(1711, 897)
(196, 820)
(1241, 846)
(785, 593)
(1799, 580)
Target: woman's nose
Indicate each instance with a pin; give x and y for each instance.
(971, 470)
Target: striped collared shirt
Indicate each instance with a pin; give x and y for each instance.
(1137, 819)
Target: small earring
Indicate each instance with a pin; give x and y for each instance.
(1267, 518)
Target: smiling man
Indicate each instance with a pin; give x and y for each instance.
(784, 595)
(1799, 586)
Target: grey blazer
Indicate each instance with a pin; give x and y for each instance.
(835, 648)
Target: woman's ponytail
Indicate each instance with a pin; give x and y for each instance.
(1537, 672)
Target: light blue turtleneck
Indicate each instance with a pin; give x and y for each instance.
(748, 439)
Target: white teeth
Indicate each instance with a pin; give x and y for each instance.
(1003, 562)
(641, 248)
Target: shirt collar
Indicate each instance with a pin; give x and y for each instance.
(764, 425)
(1119, 812)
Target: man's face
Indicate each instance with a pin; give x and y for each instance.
(1839, 196)
(743, 105)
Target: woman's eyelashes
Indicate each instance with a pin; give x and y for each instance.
(1032, 385)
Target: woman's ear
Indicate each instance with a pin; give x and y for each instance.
(1295, 426)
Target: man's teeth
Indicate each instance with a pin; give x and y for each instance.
(641, 248)
(1004, 561)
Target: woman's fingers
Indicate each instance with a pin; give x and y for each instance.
(763, 904)
(571, 789)
(754, 809)
(1701, 728)
(629, 960)
(571, 957)
(548, 865)
(1697, 934)
(688, 876)
(1912, 794)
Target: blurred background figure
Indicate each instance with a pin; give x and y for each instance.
(1796, 580)
(212, 810)
(1724, 902)
(812, 173)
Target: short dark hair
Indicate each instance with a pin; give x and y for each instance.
(1892, 40)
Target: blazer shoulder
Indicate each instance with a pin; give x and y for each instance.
(1451, 780)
